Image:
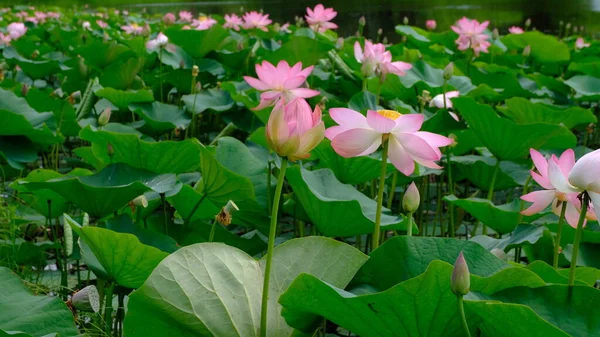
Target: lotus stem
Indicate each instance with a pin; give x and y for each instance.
(578, 235)
(490, 194)
(410, 224)
(463, 318)
(561, 221)
(211, 236)
(109, 308)
(452, 229)
(381, 187)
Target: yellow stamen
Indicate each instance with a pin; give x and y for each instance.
(134, 25)
(202, 18)
(389, 114)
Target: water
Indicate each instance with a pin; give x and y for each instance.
(385, 14)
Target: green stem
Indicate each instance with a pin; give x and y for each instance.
(452, 229)
(211, 236)
(269, 260)
(578, 234)
(109, 308)
(490, 194)
(561, 220)
(164, 204)
(390, 201)
(376, 231)
(444, 93)
(463, 318)
(410, 224)
(227, 130)
(364, 83)
(160, 75)
(301, 229)
(269, 185)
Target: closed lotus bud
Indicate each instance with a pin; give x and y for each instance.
(224, 216)
(86, 220)
(568, 26)
(110, 150)
(528, 23)
(140, 201)
(449, 71)
(499, 253)
(495, 34)
(581, 28)
(146, 30)
(24, 90)
(195, 71)
(86, 299)
(405, 21)
(411, 199)
(362, 21)
(460, 283)
(169, 19)
(527, 51)
(198, 87)
(104, 117)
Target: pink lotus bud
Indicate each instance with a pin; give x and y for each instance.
(169, 19)
(430, 24)
(460, 283)
(362, 21)
(412, 199)
(527, 51)
(448, 71)
(104, 117)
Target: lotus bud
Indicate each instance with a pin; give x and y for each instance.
(86, 220)
(411, 199)
(527, 51)
(198, 87)
(499, 253)
(146, 30)
(405, 21)
(575, 29)
(379, 32)
(362, 21)
(86, 299)
(104, 117)
(195, 70)
(24, 90)
(495, 34)
(581, 28)
(169, 19)
(110, 150)
(460, 283)
(224, 216)
(528, 23)
(448, 71)
(561, 23)
(339, 44)
(140, 201)
(385, 40)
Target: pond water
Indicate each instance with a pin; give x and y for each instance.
(545, 14)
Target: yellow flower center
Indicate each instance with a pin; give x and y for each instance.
(389, 114)
(202, 18)
(135, 25)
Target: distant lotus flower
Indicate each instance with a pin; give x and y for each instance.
(281, 82)
(169, 19)
(472, 35)
(376, 61)
(4, 39)
(102, 24)
(133, 29)
(580, 43)
(293, 129)
(430, 24)
(438, 102)
(161, 41)
(233, 21)
(319, 18)
(515, 30)
(16, 30)
(285, 28)
(125, 12)
(53, 15)
(32, 19)
(185, 16)
(41, 17)
(203, 23)
(86, 25)
(357, 135)
(256, 20)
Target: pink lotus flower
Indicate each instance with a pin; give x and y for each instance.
(357, 135)
(233, 21)
(580, 43)
(16, 30)
(86, 25)
(133, 29)
(285, 28)
(281, 82)
(32, 19)
(551, 194)
(185, 16)
(203, 23)
(430, 24)
(256, 20)
(161, 41)
(102, 24)
(472, 35)
(4, 39)
(41, 17)
(53, 15)
(515, 30)
(169, 19)
(319, 18)
(376, 60)
(438, 102)
(293, 129)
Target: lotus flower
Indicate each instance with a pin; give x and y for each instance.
(293, 129)
(285, 28)
(4, 39)
(375, 60)
(169, 19)
(40, 16)
(53, 15)
(438, 102)
(233, 21)
(102, 24)
(430, 24)
(515, 30)
(185, 16)
(16, 30)
(357, 135)
(161, 41)
(86, 25)
(471, 35)
(203, 23)
(319, 18)
(133, 29)
(256, 20)
(580, 43)
(281, 82)
(551, 194)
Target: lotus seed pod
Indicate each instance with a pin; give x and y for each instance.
(449, 71)
(141, 201)
(224, 216)
(460, 283)
(104, 117)
(411, 199)
(86, 299)
(195, 71)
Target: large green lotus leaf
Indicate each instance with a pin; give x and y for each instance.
(583, 275)
(586, 87)
(524, 111)
(124, 224)
(502, 219)
(401, 258)
(337, 209)
(45, 201)
(363, 101)
(35, 69)
(415, 35)
(213, 99)
(587, 67)
(64, 112)
(544, 48)
(123, 98)
(100, 55)
(160, 157)
(300, 49)
(199, 231)
(18, 151)
(108, 190)
(495, 82)
(523, 234)
(126, 260)
(480, 170)
(35, 315)
(197, 43)
(433, 77)
(422, 306)
(121, 75)
(588, 254)
(160, 117)
(506, 139)
(211, 289)
(189, 200)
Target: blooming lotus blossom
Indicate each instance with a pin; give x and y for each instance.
(580, 43)
(102, 24)
(285, 28)
(169, 19)
(293, 129)
(471, 35)
(161, 41)
(281, 82)
(53, 15)
(551, 195)
(16, 30)
(133, 29)
(86, 25)
(256, 20)
(357, 135)
(40, 16)
(319, 18)
(438, 102)
(515, 30)
(376, 60)
(185, 16)
(233, 21)
(430, 24)
(4, 39)
(203, 23)
(22, 14)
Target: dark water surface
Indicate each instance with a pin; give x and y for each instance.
(545, 14)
